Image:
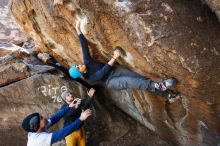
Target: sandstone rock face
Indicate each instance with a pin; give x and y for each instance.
(38, 93)
(161, 39)
(27, 88)
(18, 71)
(9, 31)
(215, 5)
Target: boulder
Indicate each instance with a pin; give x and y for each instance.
(17, 71)
(160, 39)
(215, 6)
(38, 93)
(9, 31)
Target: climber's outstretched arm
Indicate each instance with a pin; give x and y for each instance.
(99, 74)
(84, 44)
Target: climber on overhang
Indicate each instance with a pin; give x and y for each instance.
(117, 77)
(37, 126)
(76, 138)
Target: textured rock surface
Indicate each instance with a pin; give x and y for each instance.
(16, 71)
(9, 31)
(215, 5)
(160, 38)
(34, 94)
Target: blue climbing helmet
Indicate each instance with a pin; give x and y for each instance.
(74, 72)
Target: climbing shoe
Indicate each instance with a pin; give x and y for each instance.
(166, 84)
(172, 97)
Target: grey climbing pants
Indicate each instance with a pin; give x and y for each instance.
(123, 78)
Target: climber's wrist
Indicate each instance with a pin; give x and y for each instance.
(78, 31)
(115, 57)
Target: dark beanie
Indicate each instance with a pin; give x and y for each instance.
(31, 123)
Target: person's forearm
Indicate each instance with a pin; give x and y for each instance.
(78, 31)
(112, 61)
(98, 75)
(55, 118)
(59, 135)
(85, 49)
